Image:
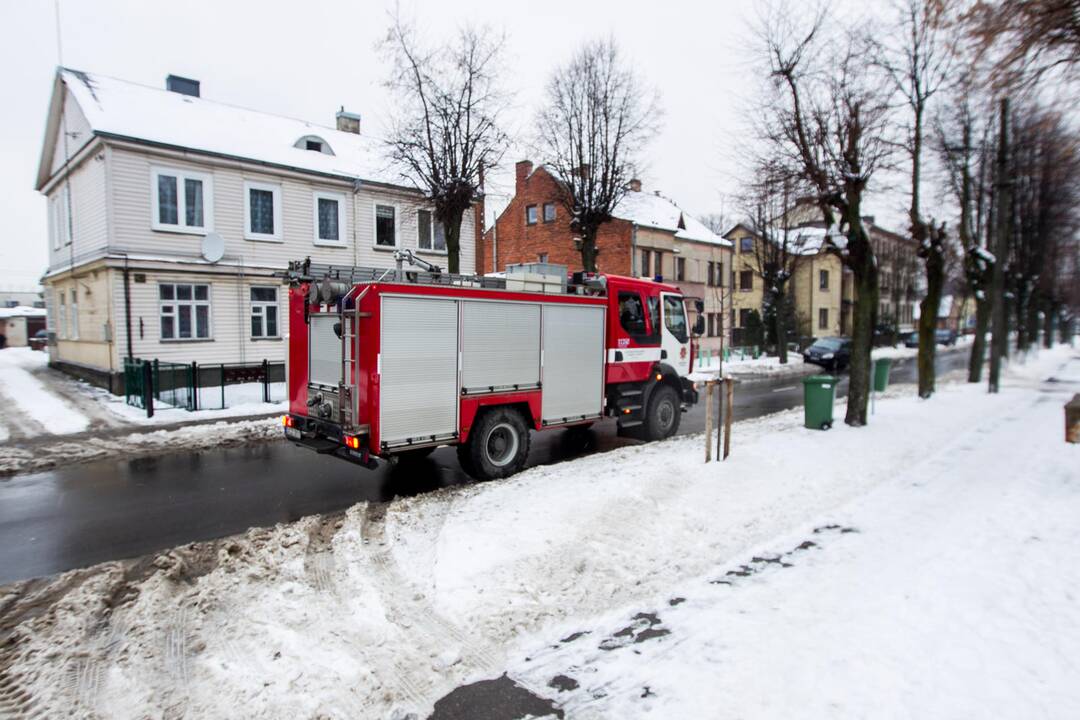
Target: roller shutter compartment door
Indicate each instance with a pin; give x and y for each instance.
(573, 381)
(500, 346)
(419, 382)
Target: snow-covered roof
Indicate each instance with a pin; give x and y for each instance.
(656, 211)
(804, 240)
(21, 311)
(126, 109)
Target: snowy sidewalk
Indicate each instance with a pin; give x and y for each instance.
(918, 567)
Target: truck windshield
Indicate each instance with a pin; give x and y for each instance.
(675, 317)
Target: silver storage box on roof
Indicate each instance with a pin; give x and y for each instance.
(536, 277)
(418, 369)
(500, 346)
(573, 380)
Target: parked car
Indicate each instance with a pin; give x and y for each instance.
(831, 353)
(39, 340)
(912, 340)
(944, 336)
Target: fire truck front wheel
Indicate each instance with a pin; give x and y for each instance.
(498, 445)
(664, 413)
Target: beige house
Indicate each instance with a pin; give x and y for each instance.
(169, 214)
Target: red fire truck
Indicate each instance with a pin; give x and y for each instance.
(394, 363)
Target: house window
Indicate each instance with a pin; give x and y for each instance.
(262, 211)
(61, 325)
(746, 244)
(744, 317)
(183, 200)
(718, 281)
(823, 318)
(542, 257)
(58, 220)
(549, 212)
(385, 226)
(430, 233)
(264, 312)
(710, 277)
(329, 218)
(746, 280)
(184, 311)
(823, 279)
(646, 261)
(313, 145)
(680, 269)
(530, 214)
(658, 268)
(73, 332)
(711, 322)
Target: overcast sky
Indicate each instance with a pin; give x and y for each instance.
(305, 59)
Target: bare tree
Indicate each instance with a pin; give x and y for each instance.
(918, 61)
(830, 119)
(778, 247)
(595, 122)
(445, 127)
(1026, 39)
(965, 144)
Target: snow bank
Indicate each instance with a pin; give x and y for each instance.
(764, 366)
(951, 597)
(41, 410)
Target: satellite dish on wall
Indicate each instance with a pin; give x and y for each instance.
(213, 247)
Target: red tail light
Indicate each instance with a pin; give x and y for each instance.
(352, 442)
(287, 421)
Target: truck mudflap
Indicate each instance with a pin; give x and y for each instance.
(326, 439)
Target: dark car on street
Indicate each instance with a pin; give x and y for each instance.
(39, 340)
(942, 336)
(831, 353)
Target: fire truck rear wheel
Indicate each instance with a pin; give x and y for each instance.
(498, 445)
(664, 413)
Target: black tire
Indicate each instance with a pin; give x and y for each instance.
(663, 414)
(498, 445)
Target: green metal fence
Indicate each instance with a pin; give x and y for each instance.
(191, 386)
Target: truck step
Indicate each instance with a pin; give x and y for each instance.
(630, 423)
(630, 407)
(629, 393)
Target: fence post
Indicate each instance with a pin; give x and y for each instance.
(266, 380)
(157, 378)
(222, 386)
(730, 383)
(148, 388)
(708, 420)
(194, 385)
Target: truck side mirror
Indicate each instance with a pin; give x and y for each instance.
(699, 325)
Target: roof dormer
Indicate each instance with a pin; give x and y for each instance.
(314, 143)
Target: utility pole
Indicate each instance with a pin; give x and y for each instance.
(999, 345)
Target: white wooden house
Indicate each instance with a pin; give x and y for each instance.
(136, 178)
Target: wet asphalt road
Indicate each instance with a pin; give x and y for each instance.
(113, 509)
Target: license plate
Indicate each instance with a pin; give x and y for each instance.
(292, 433)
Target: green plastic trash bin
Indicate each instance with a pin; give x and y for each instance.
(881, 374)
(818, 393)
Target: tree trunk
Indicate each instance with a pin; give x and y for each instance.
(588, 250)
(780, 327)
(452, 225)
(999, 346)
(928, 313)
(864, 314)
(978, 347)
(1048, 324)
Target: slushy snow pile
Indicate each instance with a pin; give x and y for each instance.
(28, 402)
(918, 567)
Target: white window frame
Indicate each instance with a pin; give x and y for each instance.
(275, 190)
(261, 306)
(73, 314)
(181, 225)
(339, 198)
(194, 316)
(431, 249)
(375, 226)
(61, 324)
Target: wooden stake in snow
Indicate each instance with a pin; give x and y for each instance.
(708, 421)
(729, 382)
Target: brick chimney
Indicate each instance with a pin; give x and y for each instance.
(182, 85)
(635, 185)
(522, 169)
(348, 122)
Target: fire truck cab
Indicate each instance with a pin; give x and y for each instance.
(394, 363)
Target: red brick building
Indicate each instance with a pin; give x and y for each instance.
(649, 236)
